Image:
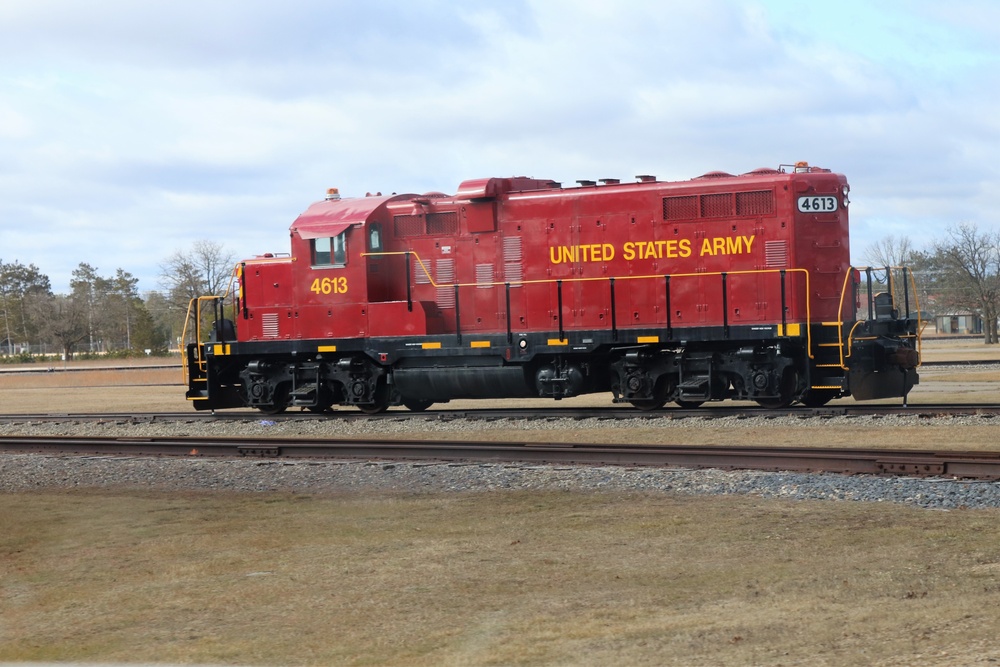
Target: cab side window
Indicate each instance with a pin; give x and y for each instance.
(320, 252)
(330, 251)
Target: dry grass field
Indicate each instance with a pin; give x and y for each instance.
(493, 579)
(499, 578)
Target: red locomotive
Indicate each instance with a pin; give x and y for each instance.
(721, 287)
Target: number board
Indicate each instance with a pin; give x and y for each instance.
(818, 204)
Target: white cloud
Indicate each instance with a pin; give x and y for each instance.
(130, 130)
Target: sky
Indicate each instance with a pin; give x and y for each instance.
(130, 130)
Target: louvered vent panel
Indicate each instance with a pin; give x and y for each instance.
(776, 254)
(680, 208)
(408, 225)
(444, 276)
(420, 271)
(513, 264)
(760, 202)
(269, 325)
(484, 275)
(442, 223)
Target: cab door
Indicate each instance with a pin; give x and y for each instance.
(333, 287)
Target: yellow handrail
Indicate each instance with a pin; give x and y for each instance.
(840, 311)
(194, 307)
(658, 276)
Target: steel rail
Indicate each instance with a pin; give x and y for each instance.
(544, 413)
(981, 465)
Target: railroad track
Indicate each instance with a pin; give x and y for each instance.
(978, 465)
(490, 414)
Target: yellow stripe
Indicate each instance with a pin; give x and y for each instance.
(790, 330)
(648, 339)
(479, 343)
(327, 348)
(220, 350)
(430, 346)
(556, 341)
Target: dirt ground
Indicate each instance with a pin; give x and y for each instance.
(500, 578)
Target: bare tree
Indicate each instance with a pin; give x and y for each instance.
(890, 251)
(970, 264)
(205, 271)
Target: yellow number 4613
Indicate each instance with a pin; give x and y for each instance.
(329, 286)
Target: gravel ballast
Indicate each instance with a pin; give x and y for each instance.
(35, 472)
(22, 472)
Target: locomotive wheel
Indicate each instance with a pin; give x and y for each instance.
(280, 401)
(417, 404)
(773, 403)
(381, 402)
(665, 387)
(649, 404)
(785, 393)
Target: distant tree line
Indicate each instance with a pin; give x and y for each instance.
(104, 314)
(957, 275)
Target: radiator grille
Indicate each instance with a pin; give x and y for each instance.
(433, 224)
(680, 208)
(760, 202)
(408, 225)
(719, 205)
(442, 223)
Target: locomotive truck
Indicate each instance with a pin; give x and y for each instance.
(719, 287)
